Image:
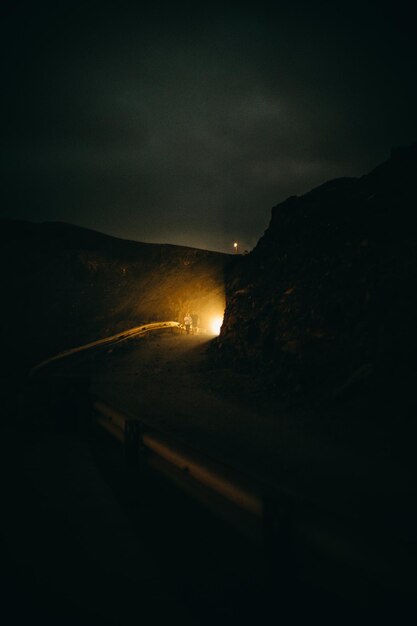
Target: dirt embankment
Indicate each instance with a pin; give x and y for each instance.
(64, 286)
(325, 303)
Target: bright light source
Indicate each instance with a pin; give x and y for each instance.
(215, 325)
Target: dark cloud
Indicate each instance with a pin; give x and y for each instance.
(185, 124)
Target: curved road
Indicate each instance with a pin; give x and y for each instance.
(167, 380)
(126, 334)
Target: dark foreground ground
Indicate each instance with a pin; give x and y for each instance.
(84, 540)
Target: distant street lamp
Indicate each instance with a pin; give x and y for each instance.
(235, 247)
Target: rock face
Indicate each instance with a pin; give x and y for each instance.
(327, 297)
(63, 286)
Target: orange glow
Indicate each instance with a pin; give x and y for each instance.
(215, 325)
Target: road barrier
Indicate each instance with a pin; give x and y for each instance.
(234, 497)
(339, 551)
(126, 334)
(286, 528)
(300, 539)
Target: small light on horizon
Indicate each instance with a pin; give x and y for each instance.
(235, 245)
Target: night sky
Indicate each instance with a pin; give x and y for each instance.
(186, 123)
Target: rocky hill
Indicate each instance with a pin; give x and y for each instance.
(325, 304)
(64, 286)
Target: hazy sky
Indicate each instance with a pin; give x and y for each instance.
(185, 123)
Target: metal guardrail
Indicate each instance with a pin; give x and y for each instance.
(122, 336)
(190, 470)
(351, 552)
(282, 525)
(285, 525)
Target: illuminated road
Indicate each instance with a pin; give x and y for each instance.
(166, 380)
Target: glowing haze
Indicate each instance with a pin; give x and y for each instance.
(216, 324)
(186, 123)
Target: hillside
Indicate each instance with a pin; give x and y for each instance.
(64, 285)
(325, 305)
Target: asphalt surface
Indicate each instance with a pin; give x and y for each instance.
(82, 537)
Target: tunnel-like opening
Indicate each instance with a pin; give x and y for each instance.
(206, 313)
